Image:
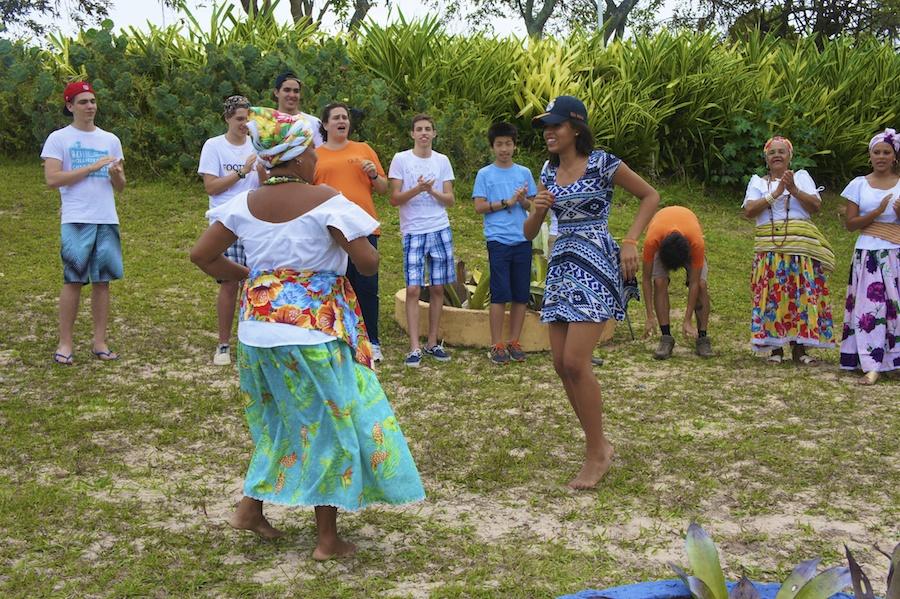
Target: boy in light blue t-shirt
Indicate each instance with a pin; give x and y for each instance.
(502, 193)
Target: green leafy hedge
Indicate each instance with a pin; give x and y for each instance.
(669, 104)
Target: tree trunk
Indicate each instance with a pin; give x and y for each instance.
(250, 7)
(534, 24)
(617, 18)
(301, 9)
(360, 10)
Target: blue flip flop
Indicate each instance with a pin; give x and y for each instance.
(105, 356)
(63, 359)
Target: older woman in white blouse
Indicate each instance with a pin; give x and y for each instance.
(789, 284)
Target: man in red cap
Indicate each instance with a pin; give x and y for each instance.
(85, 163)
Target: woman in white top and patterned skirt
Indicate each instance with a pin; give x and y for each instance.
(324, 433)
(789, 278)
(871, 337)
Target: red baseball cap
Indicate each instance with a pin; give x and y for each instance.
(72, 90)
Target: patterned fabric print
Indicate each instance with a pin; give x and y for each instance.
(790, 302)
(323, 301)
(323, 430)
(278, 136)
(583, 279)
(871, 338)
(90, 253)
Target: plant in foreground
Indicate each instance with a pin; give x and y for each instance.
(708, 581)
(862, 588)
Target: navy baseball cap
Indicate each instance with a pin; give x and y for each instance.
(561, 109)
(279, 81)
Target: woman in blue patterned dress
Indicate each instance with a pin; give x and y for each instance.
(587, 268)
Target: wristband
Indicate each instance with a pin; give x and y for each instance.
(504, 203)
(373, 178)
(240, 174)
(769, 198)
(627, 241)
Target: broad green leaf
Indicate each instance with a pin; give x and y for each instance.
(799, 577)
(704, 559)
(744, 589)
(858, 578)
(893, 580)
(698, 588)
(826, 584)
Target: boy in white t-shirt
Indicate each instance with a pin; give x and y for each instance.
(227, 167)
(85, 163)
(422, 186)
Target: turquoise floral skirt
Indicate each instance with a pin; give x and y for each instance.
(323, 430)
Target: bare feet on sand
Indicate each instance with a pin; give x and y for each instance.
(257, 524)
(332, 550)
(594, 469)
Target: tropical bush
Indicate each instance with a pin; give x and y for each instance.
(671, 104)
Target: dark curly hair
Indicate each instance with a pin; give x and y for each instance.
(675, 251)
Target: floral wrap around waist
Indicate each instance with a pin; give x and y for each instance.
(320, 301)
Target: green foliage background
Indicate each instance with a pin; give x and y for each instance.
(670, 104)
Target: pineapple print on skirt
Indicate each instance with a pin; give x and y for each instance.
(323, 430)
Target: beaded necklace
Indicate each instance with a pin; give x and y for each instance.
(284, 179)
(787, 213)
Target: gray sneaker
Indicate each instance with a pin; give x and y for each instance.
(498, 354)
(222, 357)
(704, 347)
(665, 347)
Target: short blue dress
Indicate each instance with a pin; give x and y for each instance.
(584, 283)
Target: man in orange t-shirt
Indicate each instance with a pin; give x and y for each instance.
(675, 240)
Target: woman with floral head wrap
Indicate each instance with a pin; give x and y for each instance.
(789, 277)
(323, 430)
(871, 338)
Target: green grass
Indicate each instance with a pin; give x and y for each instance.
(116, 477)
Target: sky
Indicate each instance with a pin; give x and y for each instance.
(137, 13)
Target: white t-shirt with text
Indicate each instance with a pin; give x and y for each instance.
(220, 158)
(90, 200)
(423, 213)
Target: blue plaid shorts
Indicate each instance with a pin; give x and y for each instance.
(235, 253)
(433, 249)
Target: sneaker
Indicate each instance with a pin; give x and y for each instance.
(413, 358)
(704, 347)
(664, 350)
(377, 356)
(222, 357)
(437, 352)
(515, 351)
(499, 355)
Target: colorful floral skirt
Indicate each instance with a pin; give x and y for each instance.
(871, 339)
(790, 302)
(323, 430)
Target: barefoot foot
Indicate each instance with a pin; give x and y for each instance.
(257, 524)
(336, 549)
(869, 378)
(593, 470)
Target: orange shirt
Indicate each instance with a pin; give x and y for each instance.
(675, 219)
(341, 169)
